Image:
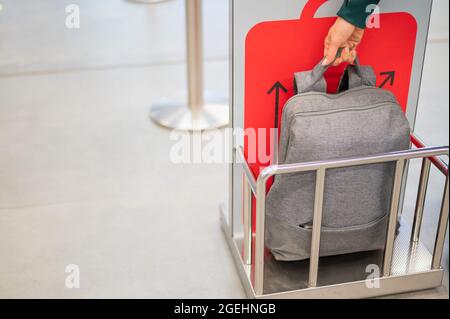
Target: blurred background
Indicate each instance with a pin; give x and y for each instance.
(85, 176)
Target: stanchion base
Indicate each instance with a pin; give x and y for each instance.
(173, 115)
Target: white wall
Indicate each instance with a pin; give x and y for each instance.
(439, 21)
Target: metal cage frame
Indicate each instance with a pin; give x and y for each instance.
(250, 262)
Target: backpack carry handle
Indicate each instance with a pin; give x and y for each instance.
(313, 81)
(354, 76)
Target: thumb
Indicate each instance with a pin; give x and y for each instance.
(330, 54)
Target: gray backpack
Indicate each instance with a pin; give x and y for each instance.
(360, 120)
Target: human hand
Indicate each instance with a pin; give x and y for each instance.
(342, 35)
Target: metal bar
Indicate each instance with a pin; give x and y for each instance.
(358, 161)
(260, 229)
(440, 165)
(317, 228)
(194, 54)
(232, 154)
(248, 232)
(393, 217)
(247, 171)
(340, 163)
(358, 289)
(442, 230)
(421, 196)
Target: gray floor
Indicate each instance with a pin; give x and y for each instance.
(85, 177)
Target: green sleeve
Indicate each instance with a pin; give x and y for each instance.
(355, 11)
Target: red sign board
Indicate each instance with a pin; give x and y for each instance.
(276, 50)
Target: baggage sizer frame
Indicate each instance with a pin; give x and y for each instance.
(405, 264)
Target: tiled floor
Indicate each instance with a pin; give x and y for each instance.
(85, 177)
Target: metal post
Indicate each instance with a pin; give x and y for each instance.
(393, 218)
(194, 54)
(421, 196)
(248, 233)
(442, 230)
(196, 114)
(260, 229)
(317, 228)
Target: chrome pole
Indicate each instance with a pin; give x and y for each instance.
(195, 114)
(248, 232)
(317, 228)
(393, 218)
(194, 54)
(261, 227)
(358, 161)
(421, 196)
(247, 170)
(442, 230)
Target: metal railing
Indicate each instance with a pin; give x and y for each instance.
(258, 189)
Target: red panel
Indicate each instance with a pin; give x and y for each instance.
(276, 50)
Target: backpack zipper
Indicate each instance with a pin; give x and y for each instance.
(347, 109)
(333, 96)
